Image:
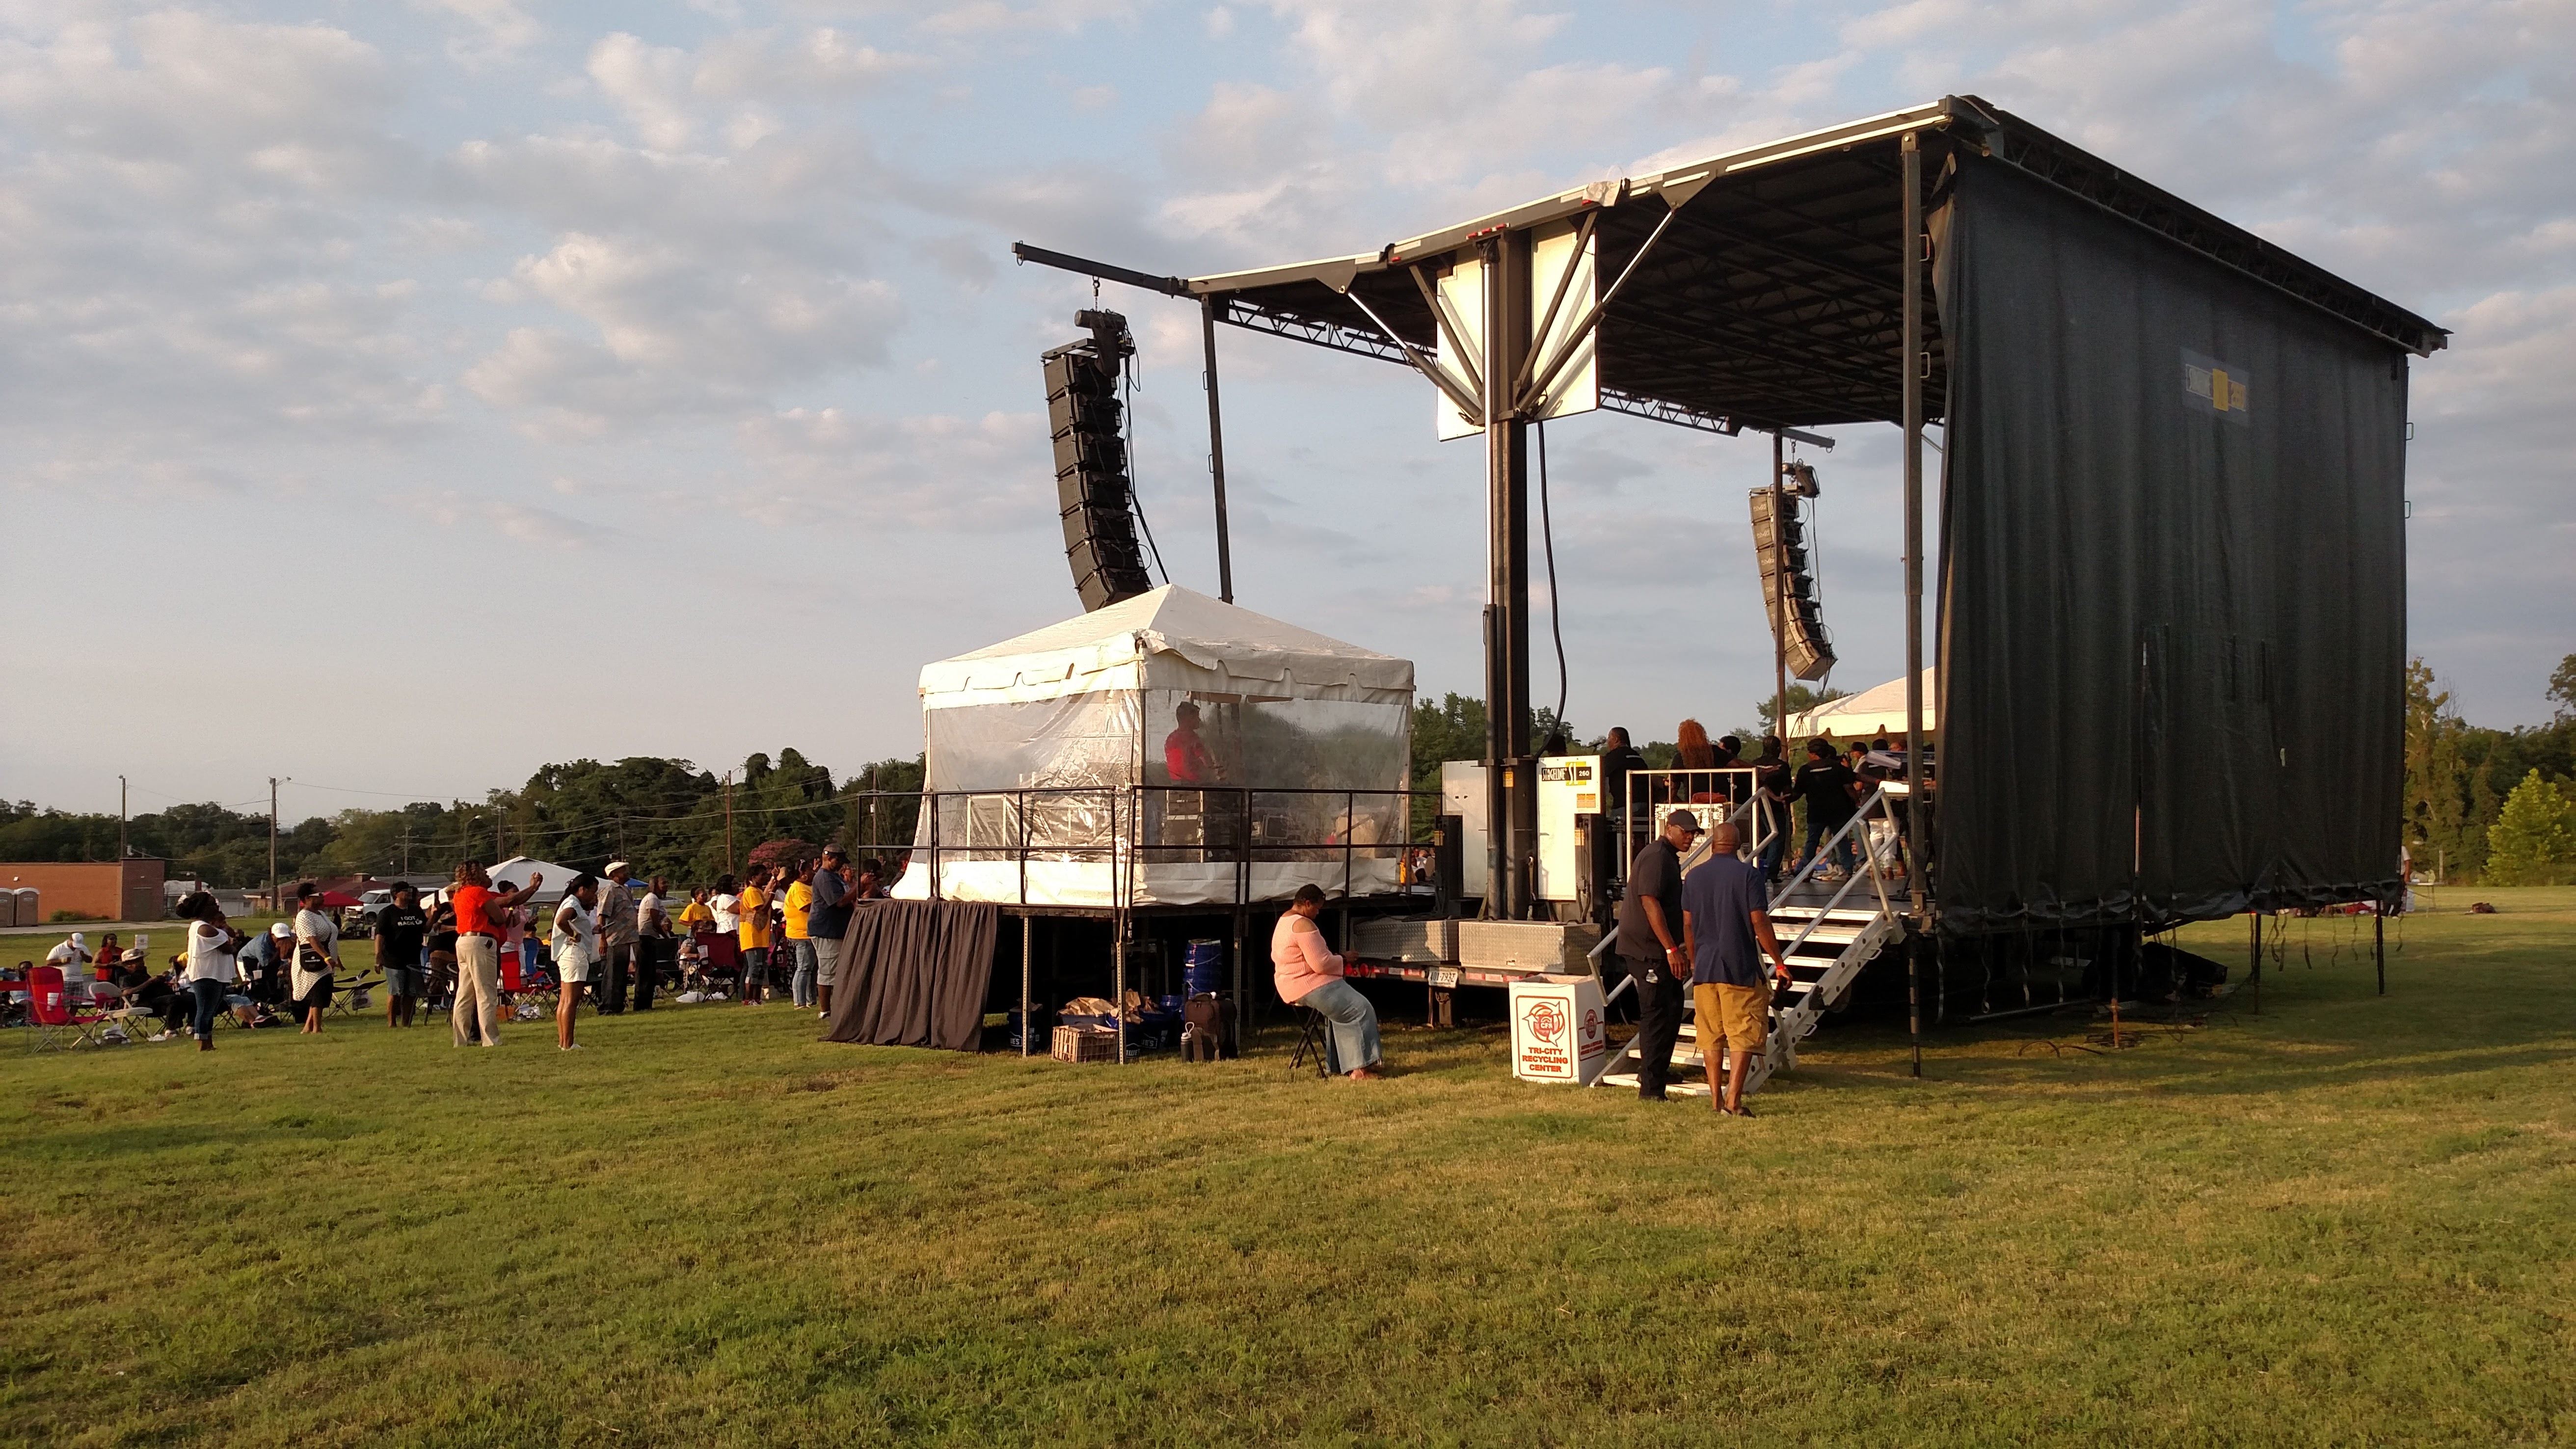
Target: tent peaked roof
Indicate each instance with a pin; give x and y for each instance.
(1877, 710)
(1206, 635)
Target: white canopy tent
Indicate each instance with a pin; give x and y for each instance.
(513, 873)
(1878, 710)
(1069, 759)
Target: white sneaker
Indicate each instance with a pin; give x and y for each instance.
(576, 1046)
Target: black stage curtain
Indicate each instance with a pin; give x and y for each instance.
(2173, 578)
(913, 973)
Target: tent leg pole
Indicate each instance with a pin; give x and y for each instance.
(1118, 993)
(1028, 925)
(2379, 943)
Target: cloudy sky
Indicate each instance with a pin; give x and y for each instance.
(398, 397)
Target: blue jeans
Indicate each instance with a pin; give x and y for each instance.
(802, 985)
(1847, 850)
(210, 999)
(1775, 819)
(1352, 1042)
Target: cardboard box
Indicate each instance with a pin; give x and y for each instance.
(1559, 1030)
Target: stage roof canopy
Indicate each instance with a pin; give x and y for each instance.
(1775, 298)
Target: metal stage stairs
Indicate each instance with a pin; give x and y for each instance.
(1828, 933)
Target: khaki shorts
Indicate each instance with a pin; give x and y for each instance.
(572, 968)
(1738, 1016)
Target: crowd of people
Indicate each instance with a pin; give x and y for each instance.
(474, 947)
(1831, 782)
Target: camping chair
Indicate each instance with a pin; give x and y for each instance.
(49, 1011)
(345, 999)
(1311, 1039)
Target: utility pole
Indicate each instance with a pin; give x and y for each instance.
(405, 867)
(120, 827)
(728, 793)
(272, 842)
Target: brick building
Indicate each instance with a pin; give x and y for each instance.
(104, 890)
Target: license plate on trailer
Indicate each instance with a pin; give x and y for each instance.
(1444, 976)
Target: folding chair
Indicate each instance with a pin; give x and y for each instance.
(113, 1009)
(1311, 1039)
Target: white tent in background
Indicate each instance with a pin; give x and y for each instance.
(1055, 744)
(512, 873)
(1879, 710)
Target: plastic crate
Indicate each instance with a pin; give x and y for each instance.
(1085, 1044)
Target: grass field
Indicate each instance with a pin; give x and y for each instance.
(2345, 1219)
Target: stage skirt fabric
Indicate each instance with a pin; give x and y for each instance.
(914, 973)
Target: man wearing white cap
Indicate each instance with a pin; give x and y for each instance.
(263, 964)
(616, 915)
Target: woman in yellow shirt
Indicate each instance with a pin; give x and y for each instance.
(753, 908)
(796, 909)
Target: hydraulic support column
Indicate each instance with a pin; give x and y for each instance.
(1511, 777)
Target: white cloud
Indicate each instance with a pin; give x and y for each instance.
(676, 331)
(493, 30)
(932, 472)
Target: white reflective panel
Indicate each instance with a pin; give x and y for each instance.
(1577, 388)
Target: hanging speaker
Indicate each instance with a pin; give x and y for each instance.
(1095, 499)
(1788, 589)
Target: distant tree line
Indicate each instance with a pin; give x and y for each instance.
(2490, 806)
(669, 817)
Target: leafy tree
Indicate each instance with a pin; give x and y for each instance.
(2437, 773)
(2562, 686)
(784, 851)
(1801, 698)
(2533, 840)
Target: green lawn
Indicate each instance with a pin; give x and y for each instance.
(2346, 1219)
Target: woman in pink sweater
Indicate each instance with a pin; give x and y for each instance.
(1310, 975)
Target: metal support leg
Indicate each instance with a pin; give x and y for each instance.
(1216, 455)
(1912, 364)
(1118, 992)
(2256, 978)
(1028, 924)
(2379, 944)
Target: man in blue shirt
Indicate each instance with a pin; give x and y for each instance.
(1725, 912)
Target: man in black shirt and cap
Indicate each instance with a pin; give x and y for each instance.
(1650, 946)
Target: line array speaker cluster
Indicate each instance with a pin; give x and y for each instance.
(1780, 544)
(1094, 495)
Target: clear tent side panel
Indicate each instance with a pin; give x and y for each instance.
(1319, 772)
(1049, 773)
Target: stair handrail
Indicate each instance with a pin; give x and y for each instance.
(1878, 799)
